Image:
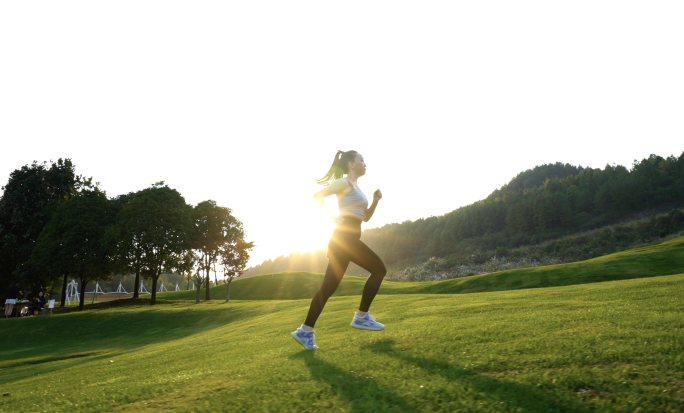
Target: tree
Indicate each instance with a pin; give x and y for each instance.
(234, 257)
(159, 221)
(125, 243)
(214, 227)
(185, 267)
(73, 242)
(26, 206)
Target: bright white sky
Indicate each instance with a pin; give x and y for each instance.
(246, 102)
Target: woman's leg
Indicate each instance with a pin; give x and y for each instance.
(337, 265)
(365, 258)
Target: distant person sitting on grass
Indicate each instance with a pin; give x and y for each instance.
(39, 302)
(345, 244)
(12, 295)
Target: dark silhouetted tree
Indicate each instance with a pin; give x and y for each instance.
(234, 256)
(155, 224)
(26, 205)
(214, 227)
(73, 242)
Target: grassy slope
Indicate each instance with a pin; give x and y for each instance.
(662, 259)
(285, 286)
(614, 346)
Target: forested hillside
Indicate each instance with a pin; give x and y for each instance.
(540, 204)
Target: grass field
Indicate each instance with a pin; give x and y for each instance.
(614, 346)
(599, 346)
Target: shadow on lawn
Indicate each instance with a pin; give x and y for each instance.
(30, 374)
(39, 340)
(362, 395)
(514, 395)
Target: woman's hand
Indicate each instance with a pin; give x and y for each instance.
(338, 219)
(377, 195)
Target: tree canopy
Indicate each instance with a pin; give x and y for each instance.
(27, 203)
(234, 258)
(155, 224)
(214, 229)
(73, 242)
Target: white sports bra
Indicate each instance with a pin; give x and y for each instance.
(354, 203)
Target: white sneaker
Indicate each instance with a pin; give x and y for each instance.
(306, 339)
(366, 322)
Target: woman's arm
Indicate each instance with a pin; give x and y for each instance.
(333, 189)
(377, 196)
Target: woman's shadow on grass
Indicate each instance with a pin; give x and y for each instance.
(514, 395)
(361, 394)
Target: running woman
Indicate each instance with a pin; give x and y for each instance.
(345, 244)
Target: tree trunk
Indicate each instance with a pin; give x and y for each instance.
(187, 286)
(153, 299)
(81, 302)
(207, 285)
(64, 287)
(228, 295)
(136, 294)
(198, 285)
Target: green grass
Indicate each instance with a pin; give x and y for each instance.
(592, 346)
(615, 346)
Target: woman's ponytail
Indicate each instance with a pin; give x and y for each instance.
(339, 167)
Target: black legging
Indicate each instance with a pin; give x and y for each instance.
(345, 246)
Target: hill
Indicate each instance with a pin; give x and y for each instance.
(545, 203)
(655, 260)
